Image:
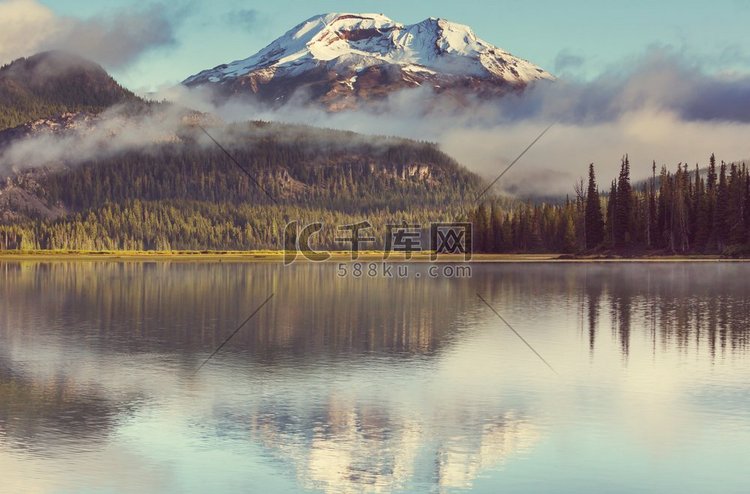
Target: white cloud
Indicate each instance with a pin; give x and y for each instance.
(25, 26)
(28, 27)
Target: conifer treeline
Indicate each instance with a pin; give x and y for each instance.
(183, 196)
(197, 225)
(681, 212)
(685, 211)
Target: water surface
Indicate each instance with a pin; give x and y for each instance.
(374, 385)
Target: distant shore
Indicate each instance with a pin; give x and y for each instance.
(364, 256)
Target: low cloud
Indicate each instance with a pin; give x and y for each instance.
(95, 137)
(562, 156)
(660, 106)
(114, 40)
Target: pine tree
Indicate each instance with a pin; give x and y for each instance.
(594, 223)
(568, 233)
(651, 237)
(711, 186)
(481, 227)
(702, 224)
(679, 238)
(610, 225)
(736, 186)
(721, 213)
(496, 229)
(623, 210)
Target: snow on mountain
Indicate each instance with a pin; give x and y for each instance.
(340, 56)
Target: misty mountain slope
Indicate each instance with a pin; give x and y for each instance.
(124, 173)
(186, 180)
(341, 60)
(296, 165)
(55, 82)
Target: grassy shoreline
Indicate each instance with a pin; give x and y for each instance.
(364, 256)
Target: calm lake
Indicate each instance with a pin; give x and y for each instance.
(374, 384)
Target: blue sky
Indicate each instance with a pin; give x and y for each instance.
(578, 38)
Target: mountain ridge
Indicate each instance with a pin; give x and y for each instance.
(342, 59)
(55, 82)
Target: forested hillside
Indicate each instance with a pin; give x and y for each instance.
(52, 83)
(190, 195)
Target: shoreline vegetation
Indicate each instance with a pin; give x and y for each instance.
(682, 213)
(340, 256)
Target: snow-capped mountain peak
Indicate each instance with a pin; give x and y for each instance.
(341, 47)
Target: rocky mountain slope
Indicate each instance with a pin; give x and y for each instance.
(341, 60)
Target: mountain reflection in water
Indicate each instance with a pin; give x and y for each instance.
(375, 385)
